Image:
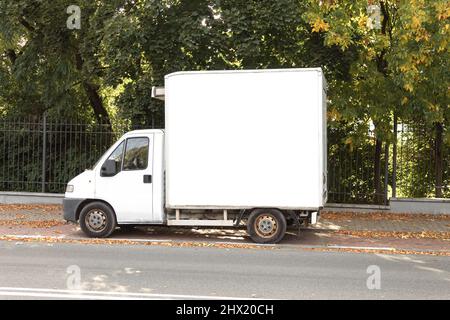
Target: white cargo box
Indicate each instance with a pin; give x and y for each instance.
(244, 139)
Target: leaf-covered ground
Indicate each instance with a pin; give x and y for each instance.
(373, 216)
(337, 231)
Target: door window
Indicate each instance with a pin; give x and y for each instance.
(136, 154)
(116, 155)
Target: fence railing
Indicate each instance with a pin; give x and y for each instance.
(407, 166)
(417, 162)
(42, 155)
(351, 174)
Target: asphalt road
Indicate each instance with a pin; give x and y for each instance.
(59, 271)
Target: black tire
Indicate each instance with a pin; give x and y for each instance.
(266, 225)
(97, 220)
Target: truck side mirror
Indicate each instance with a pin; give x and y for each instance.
(108, 168)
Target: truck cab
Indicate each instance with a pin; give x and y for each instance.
(127, 179)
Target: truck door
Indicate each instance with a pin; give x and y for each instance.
(129, 190)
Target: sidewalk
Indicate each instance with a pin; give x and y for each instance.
(396, 233)
(382, 221)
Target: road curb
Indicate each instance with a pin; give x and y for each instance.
(223, 245)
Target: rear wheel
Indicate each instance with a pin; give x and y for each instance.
(97, 220)
(266, 225)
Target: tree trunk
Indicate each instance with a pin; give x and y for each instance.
(96, 102)
(377, 171)
(11, 56)
(394, 159)
(438, 159)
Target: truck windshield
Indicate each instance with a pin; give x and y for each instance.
(115, 155)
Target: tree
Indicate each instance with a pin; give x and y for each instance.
(401, 58)
(153, 38)
(52, 67)
(421, 61)
(383, 59)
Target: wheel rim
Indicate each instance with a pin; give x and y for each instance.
(96, 220)
(266, 225)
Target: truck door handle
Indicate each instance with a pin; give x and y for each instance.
(147, 178)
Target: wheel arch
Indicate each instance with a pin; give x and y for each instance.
(85, 202)
(245, 213)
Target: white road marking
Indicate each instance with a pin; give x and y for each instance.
(101, 295)
(361, 248)
(52, 296)
(23, 238)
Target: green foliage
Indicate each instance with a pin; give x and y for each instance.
(104, 72)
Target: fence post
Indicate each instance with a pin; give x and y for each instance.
(44, 150)
(386, 171)
(394, 160)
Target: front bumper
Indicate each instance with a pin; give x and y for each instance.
(70, 208)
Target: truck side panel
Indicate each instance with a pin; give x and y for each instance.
(244, 139)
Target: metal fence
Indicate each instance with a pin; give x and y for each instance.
(407, 167)
(42, 155)
(351, 173)
(417, 162)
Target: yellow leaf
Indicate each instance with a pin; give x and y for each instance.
(404, 68)
(443, 11)
(349, 141)
(362, 22)
(320, 25)
(415, 22)
(404, 100)
(408, 87)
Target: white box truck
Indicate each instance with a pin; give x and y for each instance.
(243, 147)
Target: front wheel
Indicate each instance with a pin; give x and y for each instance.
(97, 220)
(266, 225)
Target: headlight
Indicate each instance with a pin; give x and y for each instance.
(69, 188)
